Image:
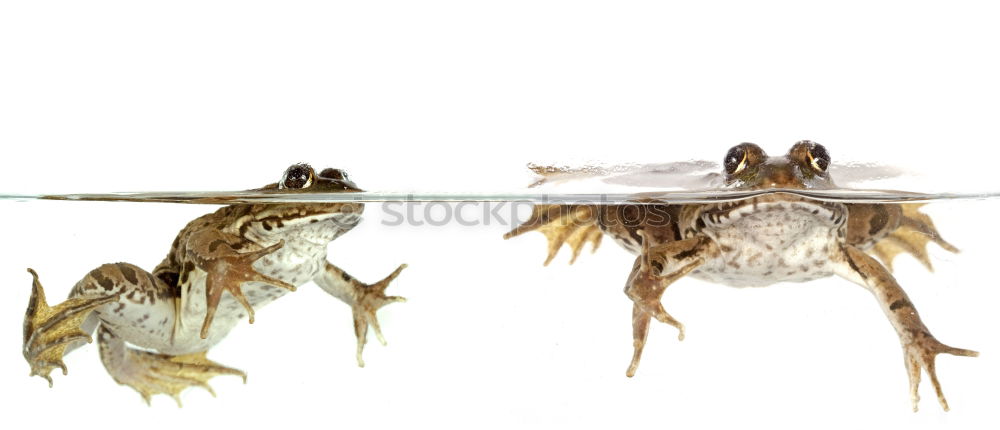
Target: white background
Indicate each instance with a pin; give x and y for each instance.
(433, 95)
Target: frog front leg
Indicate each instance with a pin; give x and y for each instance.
(226, 268)
(655, 269)
(364, 300)
(919, 347)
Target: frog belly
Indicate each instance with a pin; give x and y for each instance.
(761, 249)
(187, 338)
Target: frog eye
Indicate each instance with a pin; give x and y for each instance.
(818, 158)
(334, 174)
(736, 159)
(297, 176)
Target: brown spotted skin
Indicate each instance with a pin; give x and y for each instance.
(867, 224)
(221, 268)
(624, 223)
(920, 348)
(775, 237)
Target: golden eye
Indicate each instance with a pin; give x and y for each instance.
(297, 176)
(819, 159)
(736, 159)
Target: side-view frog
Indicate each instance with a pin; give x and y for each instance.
(154, 328)
(774, 237)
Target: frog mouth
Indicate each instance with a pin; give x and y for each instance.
(347, 218)
(273, 217)
(778, 206)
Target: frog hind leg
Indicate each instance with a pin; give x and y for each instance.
(51, 331)
(573, 225)
(118, 295)
(915, 232)
(151, 373)
(114, 295)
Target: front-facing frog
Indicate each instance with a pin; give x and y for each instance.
(219, 269)
(774, 237)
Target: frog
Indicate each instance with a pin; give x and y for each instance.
(154, 328)
(779, 234)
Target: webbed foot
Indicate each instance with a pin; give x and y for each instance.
(369, 299)
(150, 373)
(228, 273)
(48, 331)
(919, 353)
(915, 232)
(563, 224)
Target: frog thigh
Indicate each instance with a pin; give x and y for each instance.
(869, 223)
(886, 230)
(145, 310)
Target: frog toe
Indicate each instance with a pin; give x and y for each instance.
(364, 316)
(915, 232)
(920, 354)
(370, 299)
(646, 291)
(49, 331)
(229, 273)
(573, 225)
(150, 373)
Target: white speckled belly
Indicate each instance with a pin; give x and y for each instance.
(301, 258)
(771, 242)
(293, 264)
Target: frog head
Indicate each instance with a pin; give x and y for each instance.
(280, 219)
(748, 167)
